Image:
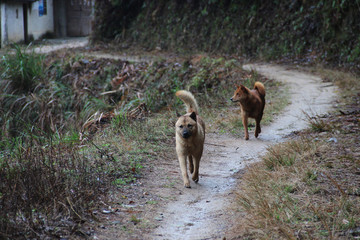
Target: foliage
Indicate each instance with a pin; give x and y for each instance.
(308, 30)
(114, 16)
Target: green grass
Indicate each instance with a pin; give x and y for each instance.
(25, 71)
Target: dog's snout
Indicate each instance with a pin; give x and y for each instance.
(231, 99)
(186, 134)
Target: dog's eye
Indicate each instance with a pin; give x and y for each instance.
(189, 126)
(181, 126)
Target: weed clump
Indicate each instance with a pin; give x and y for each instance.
(23, 70)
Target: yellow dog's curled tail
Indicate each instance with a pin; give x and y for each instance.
(189, 100)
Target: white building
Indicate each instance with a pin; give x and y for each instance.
(26, 20)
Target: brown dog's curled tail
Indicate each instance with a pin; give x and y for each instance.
(189, 100)
(258, 86)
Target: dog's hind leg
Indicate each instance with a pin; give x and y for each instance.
(182, 161)
(195, 176)
(191, 164)
(257, 128)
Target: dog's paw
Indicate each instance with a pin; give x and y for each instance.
(257, 132)
(246, 138)
(196, 180)
(187, 185)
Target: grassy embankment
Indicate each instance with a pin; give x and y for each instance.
(308, 31)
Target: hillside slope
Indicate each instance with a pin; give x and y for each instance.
(308, 30)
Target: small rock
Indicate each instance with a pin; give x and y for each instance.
(116, 222)
(85, 61)
(332, 140)
(106, 211)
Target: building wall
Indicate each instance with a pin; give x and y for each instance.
(12, 23)
(3, 24)
(63, 18)
(39, 25)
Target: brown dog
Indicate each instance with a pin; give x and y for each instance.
(190, 137)
(252, 103)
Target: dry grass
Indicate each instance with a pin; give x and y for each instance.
(48, 187)
(301, 194)
(308, 188)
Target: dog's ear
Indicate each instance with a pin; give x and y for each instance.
(243, 88)
(237, 86)
(193, 116)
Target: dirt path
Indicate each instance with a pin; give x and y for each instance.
(202, 212)
(52, 45)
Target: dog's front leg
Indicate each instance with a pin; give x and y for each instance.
(182, 161)
(245, 124)
(191, 164)
(195, 176)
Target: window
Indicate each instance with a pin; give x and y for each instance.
(42, 7)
